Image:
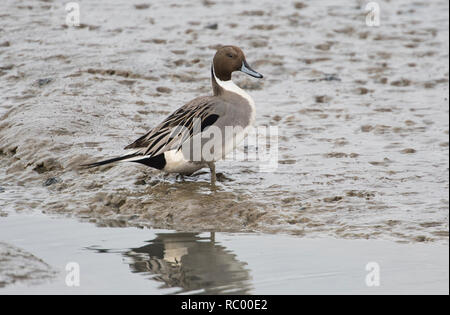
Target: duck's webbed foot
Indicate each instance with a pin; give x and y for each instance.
(212, 168)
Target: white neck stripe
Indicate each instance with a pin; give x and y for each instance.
(230, 86)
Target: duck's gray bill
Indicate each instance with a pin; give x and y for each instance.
(246, 69)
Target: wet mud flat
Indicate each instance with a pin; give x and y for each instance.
(18, 266)
(362, 114)
(146, 261)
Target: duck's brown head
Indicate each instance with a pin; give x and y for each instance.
(229, 59)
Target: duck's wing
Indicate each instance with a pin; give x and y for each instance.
(179, 127)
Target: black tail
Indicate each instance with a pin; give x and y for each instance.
(158, 162)
(120, 158)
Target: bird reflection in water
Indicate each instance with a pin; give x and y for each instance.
(192, 263)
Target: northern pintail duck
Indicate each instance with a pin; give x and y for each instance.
(202, 131)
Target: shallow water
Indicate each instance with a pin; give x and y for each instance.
(362, 115)
(144, 261)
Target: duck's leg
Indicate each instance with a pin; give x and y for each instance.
(212, 168)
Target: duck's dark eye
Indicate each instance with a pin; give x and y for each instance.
(230, 55)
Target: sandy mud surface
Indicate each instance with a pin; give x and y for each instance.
(20, 267)
(362, 114)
